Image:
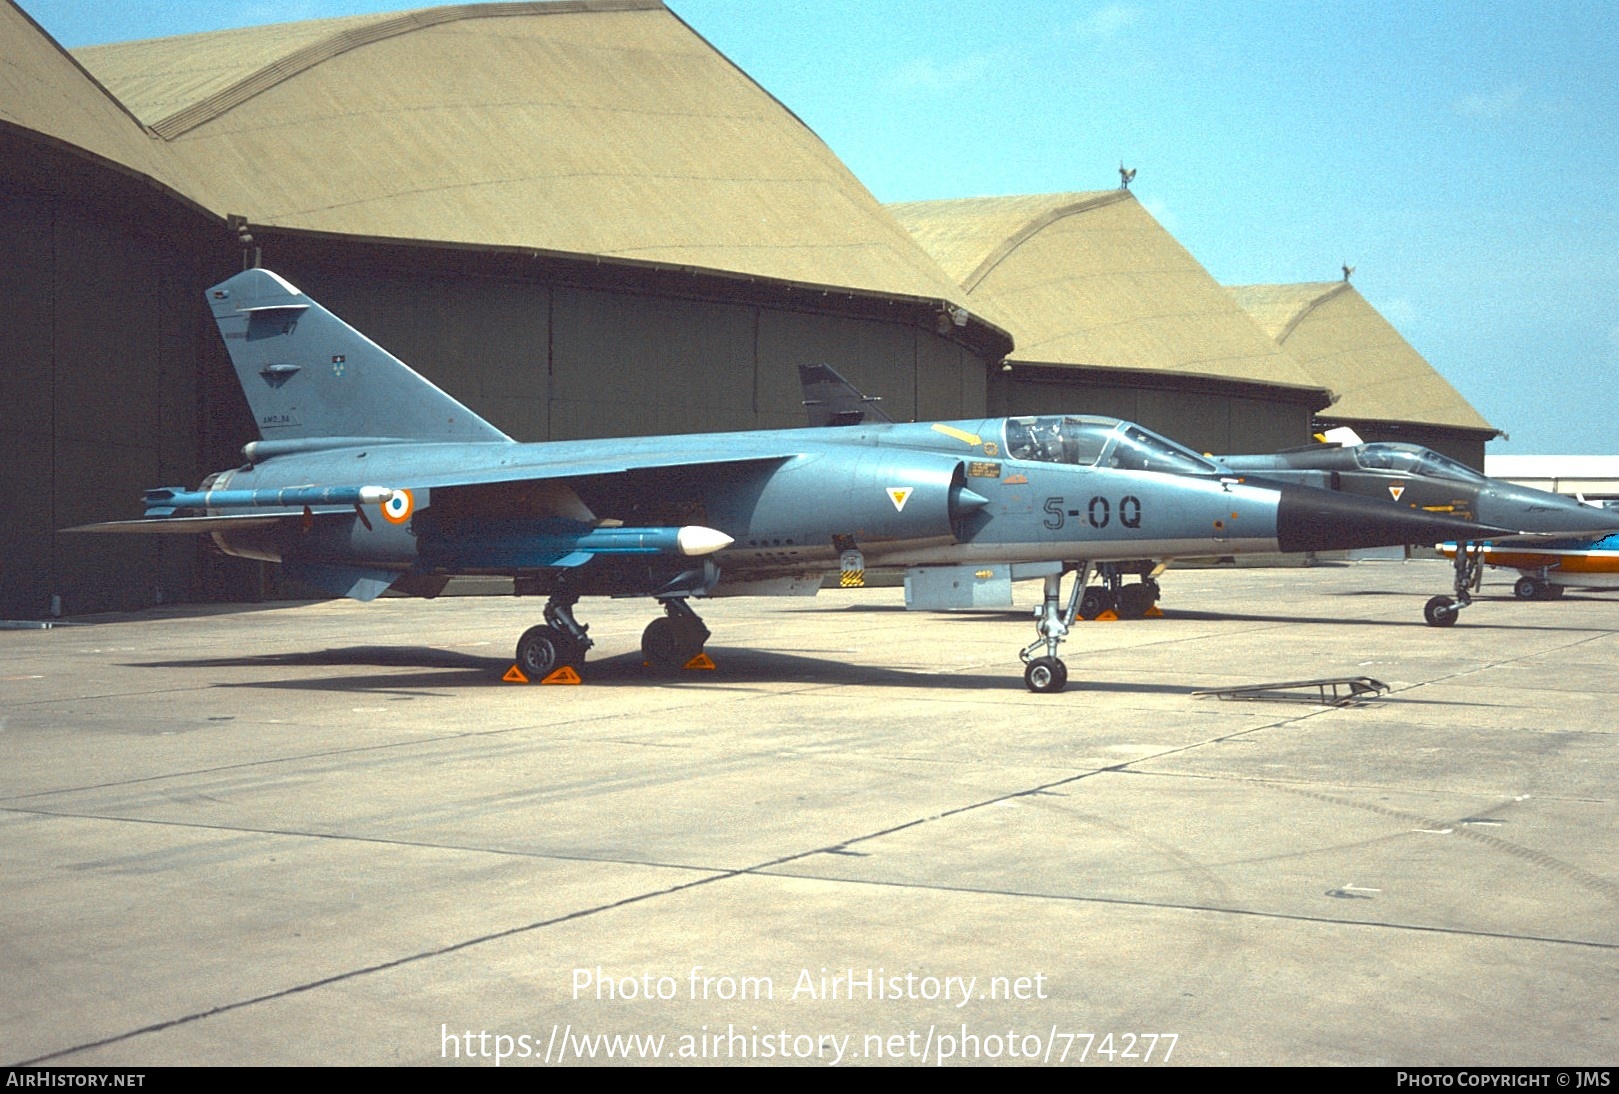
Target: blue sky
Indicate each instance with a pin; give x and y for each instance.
(1462, 156)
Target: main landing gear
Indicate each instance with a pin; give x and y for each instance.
(667, 644)
(1130, 601)
(1441, 611)
(1047, 673)
(1536, 587)
(560, 642)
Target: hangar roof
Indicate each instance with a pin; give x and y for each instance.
(1091, 279)
(603, 127)
(1332, 330)
(45, 91)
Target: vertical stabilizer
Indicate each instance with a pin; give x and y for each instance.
(308, 375)
(832, 400)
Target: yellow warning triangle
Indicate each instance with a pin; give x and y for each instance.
(514, 675)
(563, 675)
(1109, 616)
(701, 661)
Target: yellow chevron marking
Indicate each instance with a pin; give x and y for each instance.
(959, 434)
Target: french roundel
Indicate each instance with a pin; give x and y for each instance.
(397, 509)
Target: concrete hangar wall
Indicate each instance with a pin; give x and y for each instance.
(560, 282)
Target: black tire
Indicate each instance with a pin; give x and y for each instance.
(1135, 600)
(544, 649)
(665, 649)
(1093, 602)
(1440, 611)
(1045, 675)
(1529, 588)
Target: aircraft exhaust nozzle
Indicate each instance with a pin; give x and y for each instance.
(1323, 520)
(694, 539)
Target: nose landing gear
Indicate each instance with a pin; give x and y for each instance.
(1441, 611)
(1047, 673)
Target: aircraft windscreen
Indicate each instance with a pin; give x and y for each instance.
(1141, 449)
(1411, 460)
(1089, 441)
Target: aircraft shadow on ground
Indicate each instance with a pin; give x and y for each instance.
(736, 668)
(1471, 619)
(1406, 616)
(425, 657)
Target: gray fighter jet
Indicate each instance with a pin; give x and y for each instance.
(368, 477)
(1423, 480)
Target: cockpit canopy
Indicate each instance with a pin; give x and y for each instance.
(1410, 459)
(1100, 442)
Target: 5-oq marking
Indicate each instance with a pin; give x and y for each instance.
(1099, 512)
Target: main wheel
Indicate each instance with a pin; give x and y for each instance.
(1529, 588)
(1093, 602)
(1440, 611)
(665, 649)
(544, 649)
(1046, 674)
(1135, 600)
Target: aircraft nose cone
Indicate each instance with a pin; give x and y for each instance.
(1547, 514)
(1322, 520)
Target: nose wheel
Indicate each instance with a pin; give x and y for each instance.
(1441, 611)
(1046, 673)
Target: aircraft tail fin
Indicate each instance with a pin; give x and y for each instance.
(832, 400)
(308, 375)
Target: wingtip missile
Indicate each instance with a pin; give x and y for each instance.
(164, 500)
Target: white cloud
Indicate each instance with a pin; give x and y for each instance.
(1162, 214)
(1499, 103)
(1400, 312)
(1109, 20)
(926, 74)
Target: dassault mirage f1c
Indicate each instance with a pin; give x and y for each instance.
(1421, 479)
(368, 477)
